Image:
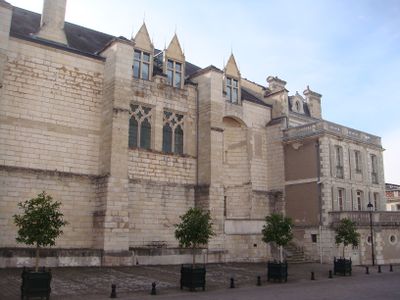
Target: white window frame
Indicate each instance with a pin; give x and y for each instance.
(141, 62)
(229, 85)
(174, 72)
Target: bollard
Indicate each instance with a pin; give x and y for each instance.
(232, 283)
(258, 280)
(113, 291)
(312, 276)
(379, 269)
(367, 270)
(153, 289)
(330, 274)
(391, 268)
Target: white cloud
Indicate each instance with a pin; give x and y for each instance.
(391, 142)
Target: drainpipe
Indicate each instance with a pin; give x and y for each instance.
(197, 135)
(317, 145)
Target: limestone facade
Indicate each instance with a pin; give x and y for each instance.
(129, 137)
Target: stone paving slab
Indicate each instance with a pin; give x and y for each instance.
(70, 283)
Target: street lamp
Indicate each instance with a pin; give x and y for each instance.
(370, 208)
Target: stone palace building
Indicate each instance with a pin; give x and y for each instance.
(129, 137)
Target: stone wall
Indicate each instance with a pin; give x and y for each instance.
(154, 209)
(50, 109)
(75, 192)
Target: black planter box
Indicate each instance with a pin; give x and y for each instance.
(341, 266)
(35, 284)
(277, 271)
(193, 278)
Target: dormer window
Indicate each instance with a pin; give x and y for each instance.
(174, 73)
(232, 90)
(141, 65)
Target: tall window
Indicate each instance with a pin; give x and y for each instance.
(140, 127)
(174, 73)
(339, 161)
(141, 65)
(359, 200)
(374, 169)
(357, 159)
(341, 199)
(173, 133)
(232, 90)
(376, 200)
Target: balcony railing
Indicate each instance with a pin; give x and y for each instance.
(361, 218)
(321, 127)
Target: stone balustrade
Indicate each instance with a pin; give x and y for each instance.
(323, 127)
(379, 218)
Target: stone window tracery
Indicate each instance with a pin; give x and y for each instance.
(140, 124)
(172, 132)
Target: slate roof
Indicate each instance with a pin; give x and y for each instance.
(25, 24)
(247, 95)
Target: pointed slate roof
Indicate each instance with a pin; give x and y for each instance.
(174, 49)
(142, 39)
(231, 67)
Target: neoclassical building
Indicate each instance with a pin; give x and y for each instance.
(128, 137)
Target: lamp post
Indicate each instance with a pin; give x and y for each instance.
(370, 208)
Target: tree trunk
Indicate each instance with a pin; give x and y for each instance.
(280, 254)
(194, 255)
(37, 258)
(343, 249)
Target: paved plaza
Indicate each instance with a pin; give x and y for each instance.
(135, 283)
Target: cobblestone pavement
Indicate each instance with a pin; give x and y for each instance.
(135, 282)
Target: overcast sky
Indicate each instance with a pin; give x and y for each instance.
(346, 50)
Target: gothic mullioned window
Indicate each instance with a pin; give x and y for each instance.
(140, 127)
(141, 65)
(172, 133)
(232, 90)
(174, 73)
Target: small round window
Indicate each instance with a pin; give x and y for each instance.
(393, 239)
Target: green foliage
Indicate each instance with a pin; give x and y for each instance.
(41, 221)
(277, 229)
(195, 228)
(346, 233)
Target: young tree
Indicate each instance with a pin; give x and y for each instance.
(40, 223)
(277, 229)
(346, 234)
(195, 229)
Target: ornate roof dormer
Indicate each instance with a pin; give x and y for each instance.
(232, 81)
(231, 69)
(174, 63)
(142, 39)
(297, 103)
(143, 55)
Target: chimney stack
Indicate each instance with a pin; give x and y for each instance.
(52, 21)
(314, 102)
(275, 84)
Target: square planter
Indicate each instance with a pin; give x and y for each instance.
(277, 271)
(341, 266)
(193, 278)
(35, 284)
